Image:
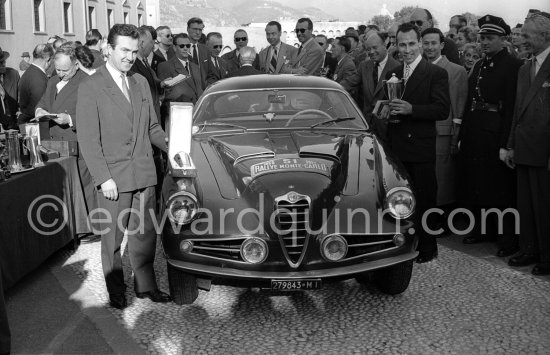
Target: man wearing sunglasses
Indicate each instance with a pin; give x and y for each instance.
(189, 89)
(310, 54)
(240, 39)
(274, 57)
(329, 63)
(423, 19)
(164, 37)
(199, 52)
(217, 67)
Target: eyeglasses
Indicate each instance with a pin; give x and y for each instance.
(300, 30)
(418, 23)
(198, 29)
(218, 46)
(188, 45)
(240, 39)
(169, 36)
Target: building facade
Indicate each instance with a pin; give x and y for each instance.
(26, 23)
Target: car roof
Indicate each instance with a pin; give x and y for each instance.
(270, 81)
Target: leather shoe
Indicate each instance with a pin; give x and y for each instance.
(541, 269)
(117, 300)
(503, 252)
(522, 260)
(425, 257)
(155, 296)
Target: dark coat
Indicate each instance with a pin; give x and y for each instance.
(427, 90)
(62, 102)
(98, 58)
(152, 80)
(217, 73)
(246, 70)
(344, 71)
(484, 179)
(451, 51)
(187, 90)
(330, 63)
(11, 78)
(31, 88)
(202, 62)
(232, 60)
(157, 59)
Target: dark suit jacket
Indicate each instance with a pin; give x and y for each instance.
(98, 58)
(311, 57)
(11, 87)
(157, 59)
(232, 60)
(427, 90)
(344, 71)
(246, 70)
(202, 62)
(170, 52)
(286, 53)
(530, 134)
(62, 102)
(331, 63)
(152, 80)
(115, 136)
(215, 74)
(31, 88)
(451, 51)
(187, 90)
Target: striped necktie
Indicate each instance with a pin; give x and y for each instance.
(273, 62)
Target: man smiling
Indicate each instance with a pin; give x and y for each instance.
(310, 54)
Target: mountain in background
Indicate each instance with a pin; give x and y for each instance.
(175, 13)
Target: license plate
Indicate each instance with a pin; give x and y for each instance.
(296, 285)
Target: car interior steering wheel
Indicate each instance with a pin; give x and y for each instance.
(309, 110)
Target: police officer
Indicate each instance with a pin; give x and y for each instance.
(484, 179)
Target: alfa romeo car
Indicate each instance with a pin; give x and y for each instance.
(277, 182)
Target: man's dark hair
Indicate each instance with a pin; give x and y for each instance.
(213, 34)
(124, 30)
(382, 35)
(179, 35)
(361, 29)
(43, 51)
(68, 49)
(143, 30)
(322, 35)
(428, 31)
(84, 56)
(151, 29)
(309, 22)
(373, 27)
(407, 27)
(193, 20)
(274, 23)
(93, 37)
(161, 28)
(344, 42)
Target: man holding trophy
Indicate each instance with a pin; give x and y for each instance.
(411, 113)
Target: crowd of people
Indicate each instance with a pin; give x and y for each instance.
(472, 128)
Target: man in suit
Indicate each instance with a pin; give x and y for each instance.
(217, 67)
(93, 41)
(9, 89)
(165, 48)
(189, 89)
(412, 137)
(310, 54)
(447, 130)
(154, 59)
(422, 18)
(240, 39)
(60, 99)
(275, 58)
(117, 124)
(529, 146)
(329, 63)
(199, 53)
(369, 79)
(345, 69)
(34, 81)
(247, 57)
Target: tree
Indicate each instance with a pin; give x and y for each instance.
(382, 21)
(404, 14)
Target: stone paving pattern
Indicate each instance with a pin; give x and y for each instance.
(458, 304)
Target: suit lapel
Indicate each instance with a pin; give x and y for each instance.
(137, 101)
(280, 58)
(389, 65)
(416, 78)
(370, 84)
(67, 91)
(114, 92)
(542, 75)
(303, 52)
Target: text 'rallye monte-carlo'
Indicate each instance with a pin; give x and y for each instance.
(276, 182)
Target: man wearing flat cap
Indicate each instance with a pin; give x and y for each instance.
(484, 179)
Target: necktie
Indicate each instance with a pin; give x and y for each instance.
(375, 73)
(300, 49)
(2, 96)
(125, 90)
(146, 63)
(187, 68)
(273, 62)
(216, 63)
(195, 54)
(407, 72)
(533, 70)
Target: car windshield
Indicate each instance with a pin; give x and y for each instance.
(293, 108)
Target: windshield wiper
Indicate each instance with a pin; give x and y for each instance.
(333, 120)
(220, 124)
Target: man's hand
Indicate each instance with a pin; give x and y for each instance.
(110, 190)
(454, 145)
(509, 158)
(384, 112)
(40, 112)
(62, 118)
(163, 83)
(400, 107)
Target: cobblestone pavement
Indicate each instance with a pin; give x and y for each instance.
(458, 304)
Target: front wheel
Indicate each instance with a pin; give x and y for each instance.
(395, 279)
(183, 286)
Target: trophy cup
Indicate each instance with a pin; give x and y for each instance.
(394, 90)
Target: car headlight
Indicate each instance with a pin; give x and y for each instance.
(182, 207)
(400, 202)
(334, 247)
(254, 250)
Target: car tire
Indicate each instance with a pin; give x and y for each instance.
(183, 286)
(395, 279)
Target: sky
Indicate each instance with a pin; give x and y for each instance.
(512, 11)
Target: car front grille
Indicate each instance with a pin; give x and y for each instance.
(293, 223)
